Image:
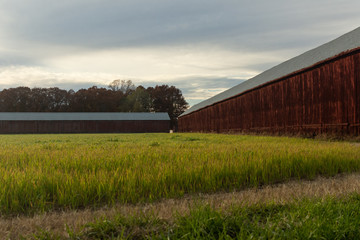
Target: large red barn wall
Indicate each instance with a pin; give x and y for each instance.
(321, 99)
(84, 126)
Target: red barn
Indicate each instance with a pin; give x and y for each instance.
(315, 92)
(83, 122)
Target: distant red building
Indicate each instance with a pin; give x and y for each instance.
(315, 92)
(81, 122)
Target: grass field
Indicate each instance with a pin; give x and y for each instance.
(58, 172)
(324, 208)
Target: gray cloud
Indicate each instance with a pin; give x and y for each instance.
(234, 24)
(9, 58)
(40, 33)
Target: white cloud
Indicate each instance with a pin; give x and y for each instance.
(194, 87)
(167, 62)
(14, 76)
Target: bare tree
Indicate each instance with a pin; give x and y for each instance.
(125, 86)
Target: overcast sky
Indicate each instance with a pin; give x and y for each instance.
(202, 47)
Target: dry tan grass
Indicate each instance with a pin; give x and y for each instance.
(281, 193)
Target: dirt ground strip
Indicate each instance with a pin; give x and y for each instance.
(281, 193)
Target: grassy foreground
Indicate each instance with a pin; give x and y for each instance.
(50, 172)
(327, 218)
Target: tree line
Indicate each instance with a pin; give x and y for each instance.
(119, 96)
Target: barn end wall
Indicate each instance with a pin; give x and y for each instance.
(324, 98)
(76, 126)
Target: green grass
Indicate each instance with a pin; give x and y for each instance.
(58, 172)
(327, 218)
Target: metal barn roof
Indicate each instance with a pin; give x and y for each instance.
(76, 116)
(344, 43)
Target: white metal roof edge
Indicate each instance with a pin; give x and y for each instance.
(82, 116)
(341, 44)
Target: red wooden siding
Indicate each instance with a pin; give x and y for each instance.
(76, 126)
(320, 99)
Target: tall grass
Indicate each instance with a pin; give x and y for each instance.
(46, 172)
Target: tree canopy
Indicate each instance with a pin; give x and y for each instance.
(119, 96)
